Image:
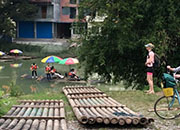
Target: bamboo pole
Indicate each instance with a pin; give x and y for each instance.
(29, 121)
(27, 125)
(42, 124)
(8, 121)
(79, 116)
(50, 122)
(57, 125)
(2, 121)
(19, 125)
(114, 119)
(28, 111)
(13, 123)
(92, 116)
(106, 120)
(45, 111)
(62, 114)
(56, 114)
(91, 120)
(40, 110)
(98, 116)
(49, 125)
(35, 124)
(5, 124)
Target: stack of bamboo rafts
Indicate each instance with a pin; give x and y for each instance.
(91, 106)
(35, 115)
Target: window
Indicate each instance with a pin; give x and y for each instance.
(72, 12)
(65, 11)
(72, 1)
(43, 11)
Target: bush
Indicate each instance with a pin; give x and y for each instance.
(15, 90)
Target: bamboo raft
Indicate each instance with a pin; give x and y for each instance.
(44, 78)
(91, 106)
(9, 57)
(35, 115)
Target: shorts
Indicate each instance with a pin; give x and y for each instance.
(149, 70)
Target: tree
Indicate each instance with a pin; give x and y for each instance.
(117, 51)
(14, 10)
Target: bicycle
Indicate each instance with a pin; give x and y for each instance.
(168, 106)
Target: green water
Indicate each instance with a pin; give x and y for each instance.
(11, 74)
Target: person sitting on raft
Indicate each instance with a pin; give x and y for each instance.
(73, 75)
(55, 73)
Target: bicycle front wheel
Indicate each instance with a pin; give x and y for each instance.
(167, 107)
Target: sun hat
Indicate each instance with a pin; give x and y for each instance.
(149, 45)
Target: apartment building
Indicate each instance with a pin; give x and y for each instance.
(53, 20)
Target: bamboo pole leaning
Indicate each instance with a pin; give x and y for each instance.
(91, 106)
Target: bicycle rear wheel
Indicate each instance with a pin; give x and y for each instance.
(163, 110)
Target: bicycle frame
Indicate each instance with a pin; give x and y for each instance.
(174, 96)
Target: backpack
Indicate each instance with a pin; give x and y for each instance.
(157, 61)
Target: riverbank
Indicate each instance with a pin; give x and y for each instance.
(136, 100)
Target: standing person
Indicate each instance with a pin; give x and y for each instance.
(34, 68)
(149, 67)
(48, 71)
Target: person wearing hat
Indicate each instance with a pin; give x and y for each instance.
(149, 67)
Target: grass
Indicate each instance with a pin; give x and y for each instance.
(136, 100)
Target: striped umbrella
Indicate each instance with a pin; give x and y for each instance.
(69, 61)
(51, 59)
(16, 51)
(2, 53)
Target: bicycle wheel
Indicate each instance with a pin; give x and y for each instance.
(163, 110)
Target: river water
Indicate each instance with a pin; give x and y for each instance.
(10, 72)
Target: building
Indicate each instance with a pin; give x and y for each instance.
(54, 20)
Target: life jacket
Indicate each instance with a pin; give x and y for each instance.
(70, 74)
(47, 69)
(34, 67)
(53, 70)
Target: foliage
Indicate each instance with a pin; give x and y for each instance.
(117, 50)
(6, 47)
(14, 10)
(15, 90)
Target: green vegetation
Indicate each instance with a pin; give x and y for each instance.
(14, 10)
(116, 50)
(39, 50)
(132, 99)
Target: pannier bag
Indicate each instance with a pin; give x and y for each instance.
(168, 80)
